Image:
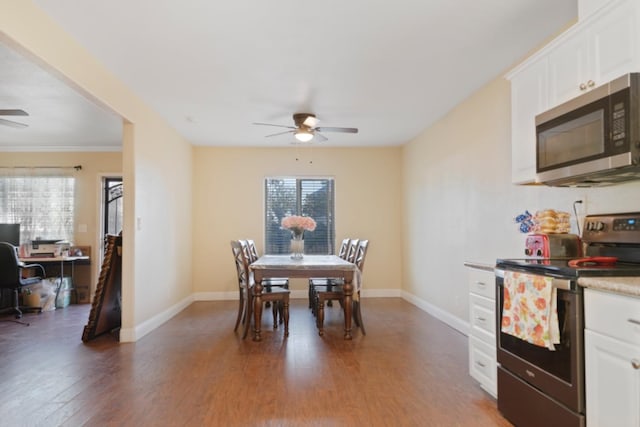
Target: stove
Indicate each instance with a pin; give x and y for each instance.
(559, 267)
(538, 386)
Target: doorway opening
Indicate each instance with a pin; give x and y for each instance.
(112, 212)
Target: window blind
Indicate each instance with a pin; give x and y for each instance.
(43, 205)
(313, 197)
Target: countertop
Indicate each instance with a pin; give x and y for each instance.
(480, 266)
(622, 285)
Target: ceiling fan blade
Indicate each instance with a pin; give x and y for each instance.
(279, 133)
(318, 137)
(280, 126)
(343, 130)
(13, 113)
(13, 124)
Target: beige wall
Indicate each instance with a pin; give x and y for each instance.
(229, 204)
(156, 172)
(459, 203)
(87, 189)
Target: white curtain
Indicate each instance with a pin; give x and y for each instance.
(40, 200)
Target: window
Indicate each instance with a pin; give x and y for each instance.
(42, 205)
(312, 197)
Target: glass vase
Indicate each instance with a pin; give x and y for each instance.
(297, 246)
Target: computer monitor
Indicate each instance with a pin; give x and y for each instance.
(10, 233)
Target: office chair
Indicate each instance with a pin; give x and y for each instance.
(11, 271)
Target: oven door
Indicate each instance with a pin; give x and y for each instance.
(560, 373)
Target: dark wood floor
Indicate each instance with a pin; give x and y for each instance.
(410, 370)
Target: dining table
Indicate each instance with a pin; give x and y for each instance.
(307, 267)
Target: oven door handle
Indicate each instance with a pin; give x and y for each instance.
(563, 284)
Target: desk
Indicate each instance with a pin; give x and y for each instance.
(56, 259)
(309, 266)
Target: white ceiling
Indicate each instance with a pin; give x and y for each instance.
(211, 68)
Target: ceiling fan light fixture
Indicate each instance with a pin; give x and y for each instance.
(303, 135)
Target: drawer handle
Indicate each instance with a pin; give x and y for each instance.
(583, 86)
(634, 321)
(482, 319)
(635, 363)
(591, 83)
(481, 284)
(482, 365)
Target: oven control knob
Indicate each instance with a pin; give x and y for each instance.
(599, 226)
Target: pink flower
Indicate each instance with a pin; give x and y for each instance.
(298, 224)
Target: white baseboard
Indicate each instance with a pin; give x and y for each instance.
(440, 314)
(139, 331)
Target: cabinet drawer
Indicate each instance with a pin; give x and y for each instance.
(612, 314)
(482, 283)
(482, 364)
(482, 316)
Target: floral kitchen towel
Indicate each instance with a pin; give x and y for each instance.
(529, 309)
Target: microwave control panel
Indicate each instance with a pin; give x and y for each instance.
(618, 125)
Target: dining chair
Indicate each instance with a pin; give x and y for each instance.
(282, 282)
(329, 292)
(347, 252)
(268, 283)
(279, 296)
(313, 281)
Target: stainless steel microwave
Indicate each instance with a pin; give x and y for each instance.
(593, 139)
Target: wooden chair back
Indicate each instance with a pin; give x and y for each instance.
(253, 251)
(361, 253)
(344, 248)
(353, 248)
(238, 248)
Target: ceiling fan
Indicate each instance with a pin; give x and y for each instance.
(306, 128)
(11, 122)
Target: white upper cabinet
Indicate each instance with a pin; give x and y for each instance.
(592, 53)
(615, 42)
(596, 50)
(568, 69)
(528, 98)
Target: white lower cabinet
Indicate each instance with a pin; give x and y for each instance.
(482, 338)
(612, 359)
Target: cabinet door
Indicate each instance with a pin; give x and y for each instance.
(528, 98)
(612, 381)
(595, 52)
(568, 68)
(614, 43)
